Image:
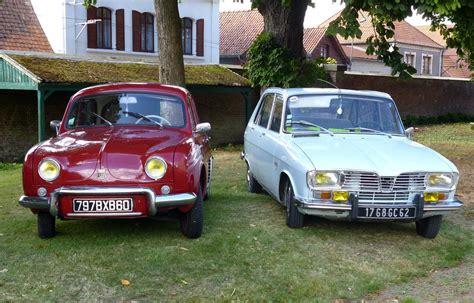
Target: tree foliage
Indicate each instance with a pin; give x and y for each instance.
(383, 14)
(269, 64)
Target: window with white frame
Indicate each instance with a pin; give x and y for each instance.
(410, 58)
(427, 64)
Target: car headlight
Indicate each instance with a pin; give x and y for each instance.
(321, 179)
(49, 170)
(155, 167)
(441, 180)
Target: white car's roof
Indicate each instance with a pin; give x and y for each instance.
(286, 92)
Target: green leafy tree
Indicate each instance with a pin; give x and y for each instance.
(383, 14)
(284, 20)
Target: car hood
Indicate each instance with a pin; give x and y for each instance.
(376, 153)
(119, 153)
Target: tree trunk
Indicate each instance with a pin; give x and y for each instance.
(285, 22)
(169, 42)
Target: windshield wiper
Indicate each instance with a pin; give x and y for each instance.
(102, 118)
(141, 116)
(303, 122)
(370, 130)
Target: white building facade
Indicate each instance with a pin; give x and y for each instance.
(127, 28)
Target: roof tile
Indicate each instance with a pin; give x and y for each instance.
(20, 28)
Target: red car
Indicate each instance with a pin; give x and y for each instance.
(126, 150)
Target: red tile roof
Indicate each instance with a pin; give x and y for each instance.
(20, 28)
(357, 52)
(453, 67)
(311, 38)
(238, 30)
(404, 32)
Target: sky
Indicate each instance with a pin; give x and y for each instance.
(314, 16)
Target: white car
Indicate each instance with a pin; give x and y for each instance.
(345, 154)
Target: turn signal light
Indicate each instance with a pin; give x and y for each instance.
(340, 196)
(431, 197)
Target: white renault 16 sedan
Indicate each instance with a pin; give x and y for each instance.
(344, 154)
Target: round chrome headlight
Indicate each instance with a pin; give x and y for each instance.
(49, 170)
(155, 168)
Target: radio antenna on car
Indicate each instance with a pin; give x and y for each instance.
(339, 110)
(327, 82)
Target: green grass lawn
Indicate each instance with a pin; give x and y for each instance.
(246, 252)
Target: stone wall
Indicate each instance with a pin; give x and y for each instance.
(417, 96)
(226, 113)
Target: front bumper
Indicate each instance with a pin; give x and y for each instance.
(349, 210)
(50, 203)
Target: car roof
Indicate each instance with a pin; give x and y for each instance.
(131, 86)
(286, 92)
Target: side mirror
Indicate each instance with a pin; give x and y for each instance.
(55, 126)
(203, 128)
(409, 132)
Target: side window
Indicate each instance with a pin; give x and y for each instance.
(277, 112)
(264, 115)
(191, 112)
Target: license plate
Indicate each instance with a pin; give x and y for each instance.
(386, 212)
(103, 205)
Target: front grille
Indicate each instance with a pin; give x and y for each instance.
(384, 198)
(371, 182)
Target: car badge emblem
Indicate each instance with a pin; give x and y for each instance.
(101, 174)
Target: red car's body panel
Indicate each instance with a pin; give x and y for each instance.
(114, 156)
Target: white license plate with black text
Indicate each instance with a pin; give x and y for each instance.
(103, 205)
(386, 212)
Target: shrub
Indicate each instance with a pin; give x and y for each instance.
(271, 65)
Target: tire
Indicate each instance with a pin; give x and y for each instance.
(294, 219)
(192, 221)
(429, 227)
(252, 185)
(46, 225)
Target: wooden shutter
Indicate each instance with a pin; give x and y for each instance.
(200, 37)
(136, 31)
(120, 30)
(91, 28)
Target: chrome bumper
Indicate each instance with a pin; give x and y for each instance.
(154, 202)
(349, 210)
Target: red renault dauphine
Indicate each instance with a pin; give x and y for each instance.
(125, 150)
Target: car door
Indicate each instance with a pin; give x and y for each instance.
(255, 149)
(272, 142)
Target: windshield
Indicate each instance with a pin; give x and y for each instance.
(344, 113)
(127, 109)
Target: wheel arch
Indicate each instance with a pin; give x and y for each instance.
(285, 176)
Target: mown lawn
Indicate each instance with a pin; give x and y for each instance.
(245, 253)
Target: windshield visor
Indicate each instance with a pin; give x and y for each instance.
(127, 109)
(343, 113)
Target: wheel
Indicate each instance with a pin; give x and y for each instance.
(252, 185)
(153, 117)
(192, 221)
(429, 227)
(294, 219)
(46, 225)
